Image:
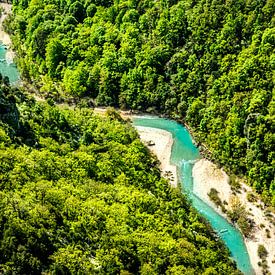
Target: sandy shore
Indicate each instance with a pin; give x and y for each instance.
(206, 175)
(161, 144)
(4, 37)
(160, 141)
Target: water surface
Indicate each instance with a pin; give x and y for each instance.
(184, 154)
(7, 68)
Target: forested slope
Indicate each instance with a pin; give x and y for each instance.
(210, 62)
(80, 194)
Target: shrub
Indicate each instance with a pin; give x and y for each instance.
(251, 197)
(213, 195)
(262, 252)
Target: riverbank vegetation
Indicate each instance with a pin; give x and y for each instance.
(214, 197)
(238, 214)
(262, 253)
(80, 194)
(209, 62)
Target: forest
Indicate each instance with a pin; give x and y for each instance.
(80, 194)
(209, 63)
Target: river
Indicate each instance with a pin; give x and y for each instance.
(184, 154)
(7, 67)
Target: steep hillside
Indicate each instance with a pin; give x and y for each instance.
(210, 62)
(80, 194)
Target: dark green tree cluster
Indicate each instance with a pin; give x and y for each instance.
(210, 62)
(80, 194)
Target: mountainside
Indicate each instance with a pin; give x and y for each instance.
(210, 62)
(80, 194)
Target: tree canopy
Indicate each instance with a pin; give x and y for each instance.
(210, 62)
(80, 194)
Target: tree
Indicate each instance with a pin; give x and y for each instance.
(262, 252)
(54, 55)
(75, 80)
(78, 11)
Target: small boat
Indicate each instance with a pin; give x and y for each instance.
(223, 231)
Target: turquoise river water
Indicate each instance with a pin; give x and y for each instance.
(7, 68)
(184, 154)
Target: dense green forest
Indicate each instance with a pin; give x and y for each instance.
(80, 194)
(209, 62)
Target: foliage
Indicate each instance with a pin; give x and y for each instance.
(213, 195)
(80, 194)
(210, 62)
(262, 253)
(251, 197)
(238, 214)
(1, 11)
(234, 184)
(237, 209)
